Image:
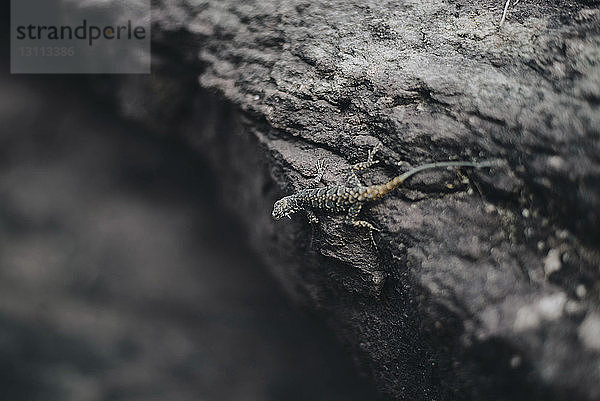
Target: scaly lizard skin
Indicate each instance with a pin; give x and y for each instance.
(351, 197)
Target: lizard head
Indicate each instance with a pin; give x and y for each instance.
(285, 207)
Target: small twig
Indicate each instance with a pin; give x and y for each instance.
(505, 10)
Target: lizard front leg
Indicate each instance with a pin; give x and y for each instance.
(353, 212)
(321, 167)
(312, 217)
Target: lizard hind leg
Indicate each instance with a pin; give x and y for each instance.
(351, 220)
(353, 179)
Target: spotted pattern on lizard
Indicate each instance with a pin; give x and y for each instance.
(351, 197)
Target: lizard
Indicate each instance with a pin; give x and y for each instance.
(351, 197)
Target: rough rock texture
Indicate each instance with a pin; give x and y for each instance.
(485, 285)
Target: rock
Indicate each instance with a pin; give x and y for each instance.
(455, 303)
(552, 262)
(117, 278)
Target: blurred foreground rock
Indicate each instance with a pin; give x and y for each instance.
(117, 276)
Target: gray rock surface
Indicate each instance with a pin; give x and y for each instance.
(485, 284)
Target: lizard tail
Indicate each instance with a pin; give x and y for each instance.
(383, 189)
